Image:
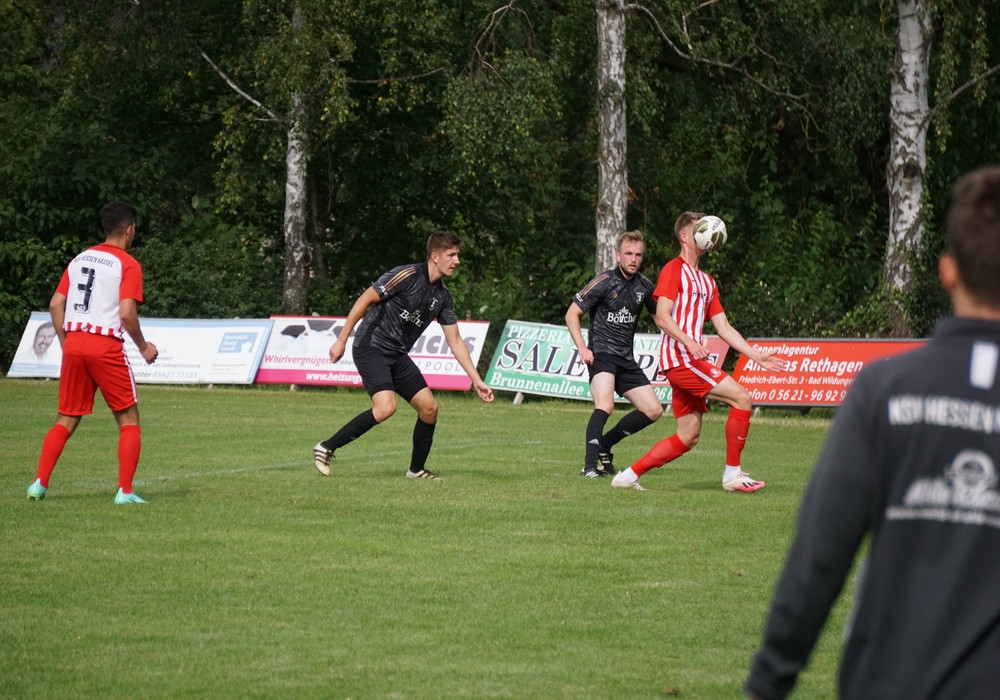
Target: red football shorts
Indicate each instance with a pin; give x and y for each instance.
(690, 385)
(91, 362)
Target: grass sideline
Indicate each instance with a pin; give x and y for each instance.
(247, 575)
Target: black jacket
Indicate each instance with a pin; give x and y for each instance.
(911, 460)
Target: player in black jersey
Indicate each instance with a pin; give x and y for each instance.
(614, 298)
(396, 310)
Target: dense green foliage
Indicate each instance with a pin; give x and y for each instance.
(475, 116)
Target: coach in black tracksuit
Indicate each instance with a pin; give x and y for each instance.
(911, 460)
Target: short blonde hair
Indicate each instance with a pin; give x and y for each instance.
(630, 237)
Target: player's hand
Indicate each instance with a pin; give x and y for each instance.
(485, 393)
(149, 353)
(586, 356)
(698, 352)
(774, 363)
(336, 351)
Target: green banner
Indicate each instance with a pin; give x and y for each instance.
(538, 358)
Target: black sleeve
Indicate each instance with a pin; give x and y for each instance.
(834, 516)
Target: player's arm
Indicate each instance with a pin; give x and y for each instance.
(461, 353)
(834, 516)
(357, 312)
(128, 309)
(57, 309)
(666, 323)
(737, 342)
(573, 316)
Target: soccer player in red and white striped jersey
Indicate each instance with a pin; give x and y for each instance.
(686, 298)
(93, 307)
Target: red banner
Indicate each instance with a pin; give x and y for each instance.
(821, 370)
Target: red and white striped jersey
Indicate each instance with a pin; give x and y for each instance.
(94, 283)
(696, 299)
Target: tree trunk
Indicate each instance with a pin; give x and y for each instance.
(612, 187)
(296, 287)
(296, 284)
(908, 125)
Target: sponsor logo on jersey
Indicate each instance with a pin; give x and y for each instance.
(966, 493)
(412, 317)
(621, 316)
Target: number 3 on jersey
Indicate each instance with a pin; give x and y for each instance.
(87, 288)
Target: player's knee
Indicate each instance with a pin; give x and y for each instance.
(689, 437)
(383, 411)
(428, 412)
(653, 413)
(743, 401)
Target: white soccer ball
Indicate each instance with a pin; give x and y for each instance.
(710, 233)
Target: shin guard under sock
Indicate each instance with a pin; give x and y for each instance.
(129, 446)
(595, 428)
(423, 437)
(355, 428)
(737, 428)
(666, 450)
(52, 447)
(630, 424)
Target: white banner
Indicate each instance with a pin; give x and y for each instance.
(192, 351)
(200, 351)
(39, 353)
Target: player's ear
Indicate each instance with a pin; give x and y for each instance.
(948, 272)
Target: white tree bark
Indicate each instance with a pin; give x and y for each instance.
(296, 283)
(295, 292)
(909, 117)
(612, 187)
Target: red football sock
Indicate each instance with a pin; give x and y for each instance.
(52, 447)
(129, 445)
(666, 450)
(737, 427)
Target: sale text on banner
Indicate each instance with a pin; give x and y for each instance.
(538, 358)
(298, 353)
(820, 373)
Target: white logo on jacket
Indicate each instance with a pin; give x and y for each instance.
(965, 493)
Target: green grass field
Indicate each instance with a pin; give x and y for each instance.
(248, 575)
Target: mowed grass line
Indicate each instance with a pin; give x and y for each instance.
(248, 575)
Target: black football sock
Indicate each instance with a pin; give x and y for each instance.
(595, 428)
(630, 424)
(355, 428)
(423, 437)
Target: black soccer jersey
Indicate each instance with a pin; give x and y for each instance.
(615, 303)
(408, 303)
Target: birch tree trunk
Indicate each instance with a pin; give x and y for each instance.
(296, 284)
(612, 187)
(908, 125)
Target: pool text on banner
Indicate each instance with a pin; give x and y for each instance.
(298, 353)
